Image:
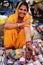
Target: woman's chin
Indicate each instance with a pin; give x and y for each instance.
(21, 16)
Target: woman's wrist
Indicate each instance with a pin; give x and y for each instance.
(28, 41)
(20, 24)
(16, 25)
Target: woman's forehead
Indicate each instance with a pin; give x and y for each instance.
(23, 6)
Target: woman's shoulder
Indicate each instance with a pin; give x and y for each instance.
(12, 15)
(11, 18)
(27, 17)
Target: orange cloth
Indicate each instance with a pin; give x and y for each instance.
(11, 37)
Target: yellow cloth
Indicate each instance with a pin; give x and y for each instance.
(11, 37)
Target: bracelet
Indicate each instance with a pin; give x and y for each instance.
(28, 42)
(16, 24)
(19, 24)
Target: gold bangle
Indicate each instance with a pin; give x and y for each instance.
(19, 24)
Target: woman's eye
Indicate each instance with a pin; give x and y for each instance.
(23, 10)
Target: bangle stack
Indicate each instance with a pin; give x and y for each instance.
(16, 24)
(28, 42)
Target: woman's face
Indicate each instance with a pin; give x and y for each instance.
(22, 11)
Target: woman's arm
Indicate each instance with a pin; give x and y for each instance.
(8, 25)
(27, 33)
(28, 39)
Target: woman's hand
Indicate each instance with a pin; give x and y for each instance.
(22, 24)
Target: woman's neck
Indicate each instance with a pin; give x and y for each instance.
(20, 19)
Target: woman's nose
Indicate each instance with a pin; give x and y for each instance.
(23, 11)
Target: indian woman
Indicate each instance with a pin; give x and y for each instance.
(17, 28)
